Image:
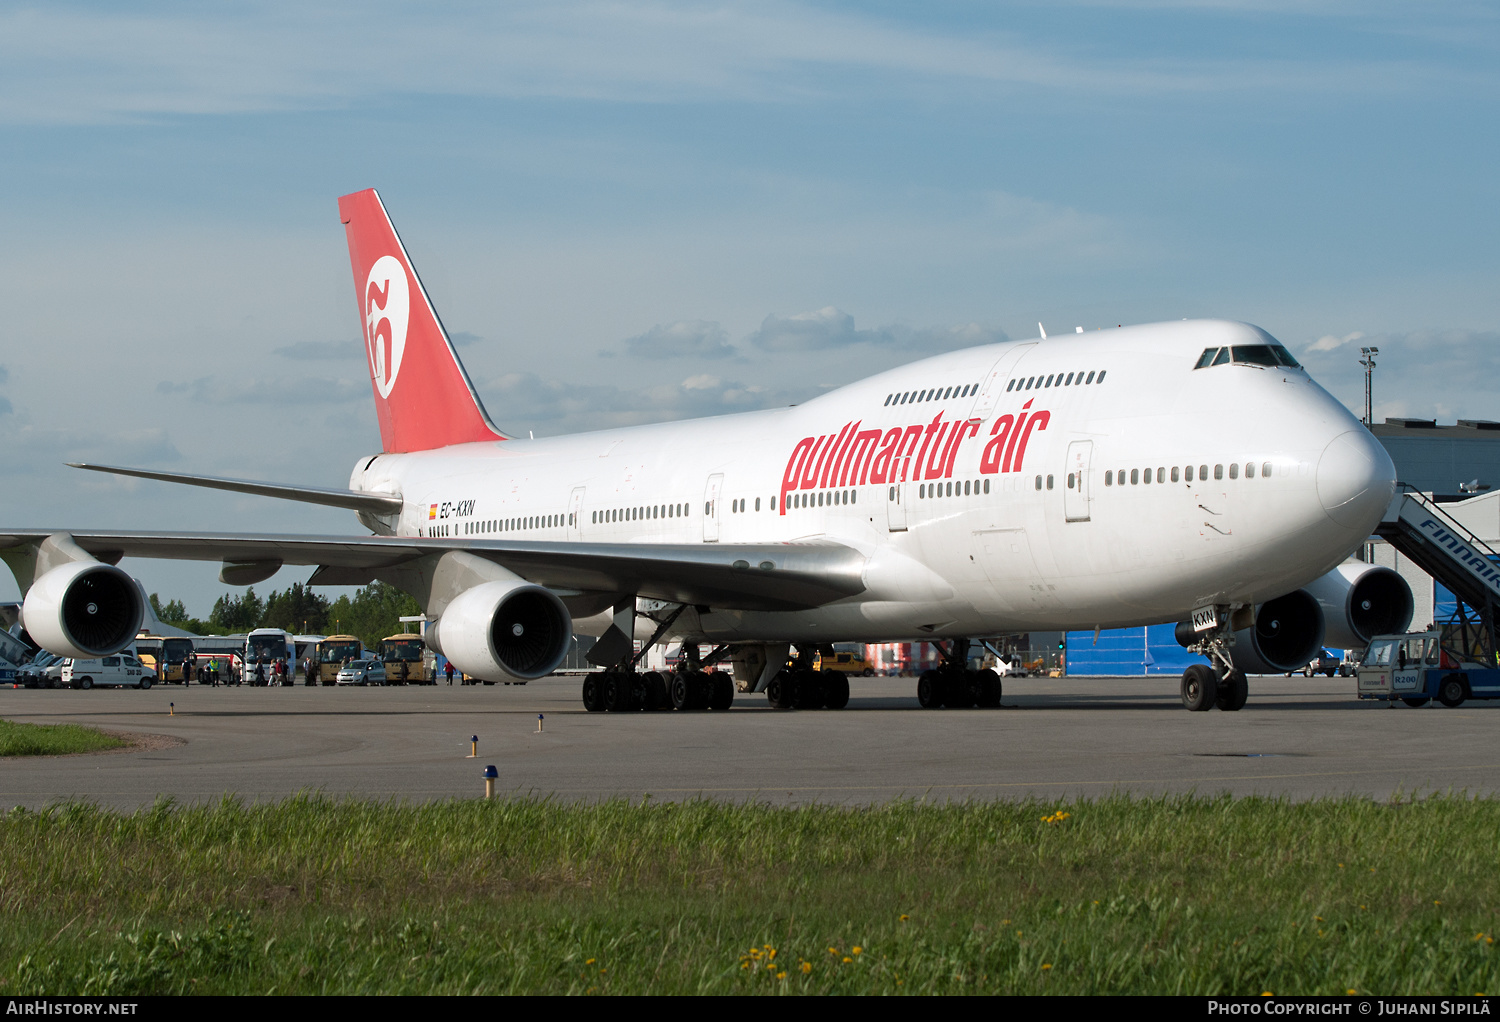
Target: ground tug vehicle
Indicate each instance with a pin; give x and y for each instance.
(1416, 667)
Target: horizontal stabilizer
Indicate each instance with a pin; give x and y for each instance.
(375, 503)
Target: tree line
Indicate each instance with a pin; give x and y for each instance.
(372, 613)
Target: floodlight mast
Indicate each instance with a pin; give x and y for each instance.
(1367, 360)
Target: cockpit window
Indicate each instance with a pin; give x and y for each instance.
(1255, 354)
(1272, 355)
(1285, 357)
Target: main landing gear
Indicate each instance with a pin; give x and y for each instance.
(622, 689)
(952, 684)
(799, 687)
(1223, 684)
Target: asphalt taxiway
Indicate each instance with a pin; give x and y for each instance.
(1296, 738)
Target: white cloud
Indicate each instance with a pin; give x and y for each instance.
(1443, 374)
(833, 328)
(60, 65)
(525, 401)
(290, 389)
(683, 339)
(308, 351)
(1328, 342)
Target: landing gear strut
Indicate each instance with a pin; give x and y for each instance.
(952, 684)
(802, 688)
(1223, 684)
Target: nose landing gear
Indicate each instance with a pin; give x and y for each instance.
(1223, 684)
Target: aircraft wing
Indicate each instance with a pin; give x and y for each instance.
(770, 576)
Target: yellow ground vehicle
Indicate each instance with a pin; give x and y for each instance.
(402, 656)
(847, 658)
(331, 654)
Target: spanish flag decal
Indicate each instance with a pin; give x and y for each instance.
(431, 512)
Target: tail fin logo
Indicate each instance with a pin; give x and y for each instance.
(387, 311)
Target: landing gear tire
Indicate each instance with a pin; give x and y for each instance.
(929, 690)
(723, 693)
(656, 696)
(836, 691)
(1452, 692)
(963, 689)
(1415, 703)
(989, 689)
(779, 691)
(809, 692)
(1234, 689)
(593, 693)
(681, 689)
(1200, 688)
(619, 692)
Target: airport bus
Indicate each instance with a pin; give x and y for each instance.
(402, 655)
(164, 655)
(270, 644)
(307, 650)
(331, 654)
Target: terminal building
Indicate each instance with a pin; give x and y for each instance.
(1459, 465)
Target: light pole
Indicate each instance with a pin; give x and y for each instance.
(1368, 361)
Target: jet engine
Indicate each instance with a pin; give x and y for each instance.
(1287, 633)
(1361, 601)
(503, 629)
(83, 609)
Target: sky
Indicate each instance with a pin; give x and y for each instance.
(629, 213)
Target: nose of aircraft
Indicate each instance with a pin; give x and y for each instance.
(1356, 480)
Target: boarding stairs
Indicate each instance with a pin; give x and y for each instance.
(1440, 545)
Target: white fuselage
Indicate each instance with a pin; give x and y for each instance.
(982, 513)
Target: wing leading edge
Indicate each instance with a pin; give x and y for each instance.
(765, 577)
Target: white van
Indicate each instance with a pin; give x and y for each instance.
(117, 670)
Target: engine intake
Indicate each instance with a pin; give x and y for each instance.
(1288, 632)
(83, 609)
(503, 629)
(1361, 601)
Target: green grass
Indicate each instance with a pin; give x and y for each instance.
(1169, 895)
(53, 739)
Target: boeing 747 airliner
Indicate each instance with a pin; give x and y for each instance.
(1184, 472)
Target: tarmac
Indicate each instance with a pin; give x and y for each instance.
(1052, 738)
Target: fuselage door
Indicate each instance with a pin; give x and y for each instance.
(711, 507)
(995, 380)
(575, 514)
(1076, 494)
(895, 506)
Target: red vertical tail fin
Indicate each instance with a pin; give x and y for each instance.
(423, 397)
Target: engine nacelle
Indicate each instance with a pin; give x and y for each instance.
(1361, 601)
(83, 609)
(497, 630)
(1288, 632)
